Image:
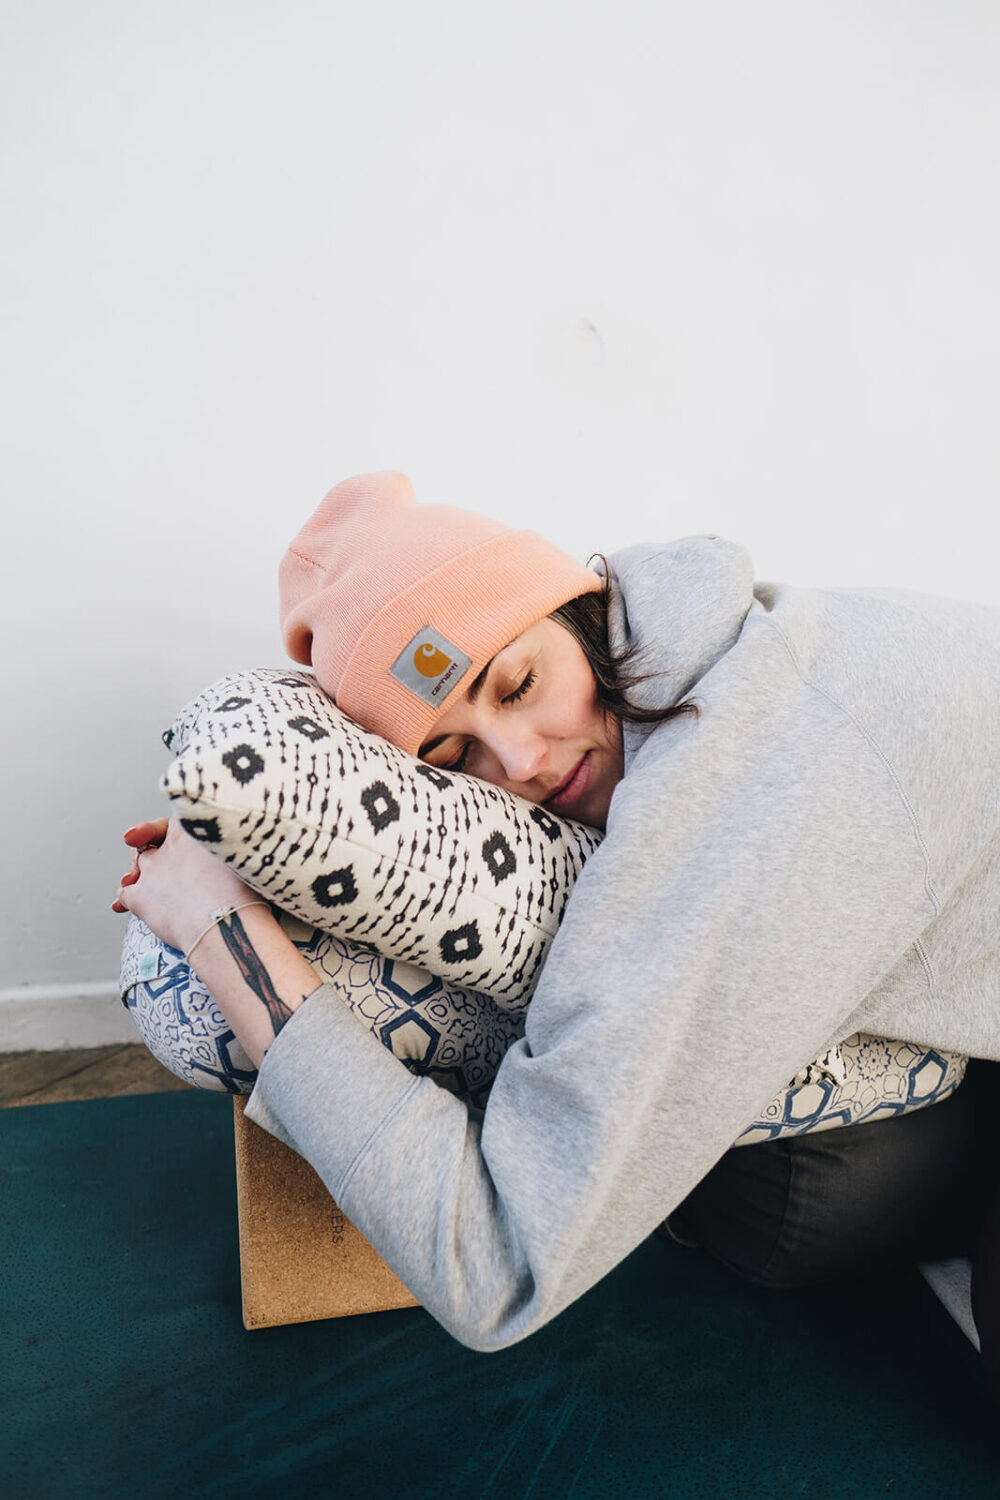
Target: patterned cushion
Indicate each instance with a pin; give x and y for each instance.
(427, 900)
(353, 836)
(452, 1035)
(863, 1078)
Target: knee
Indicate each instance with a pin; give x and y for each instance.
(853, 1201)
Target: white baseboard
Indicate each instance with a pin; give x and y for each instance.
(46, 1017)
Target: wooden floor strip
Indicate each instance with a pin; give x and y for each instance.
(82, 1073)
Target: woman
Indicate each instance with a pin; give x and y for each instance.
(800, 790)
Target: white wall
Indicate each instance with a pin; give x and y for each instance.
(618, 271)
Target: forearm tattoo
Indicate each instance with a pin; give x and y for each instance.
(255, 976)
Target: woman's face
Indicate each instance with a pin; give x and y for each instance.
(531, 723)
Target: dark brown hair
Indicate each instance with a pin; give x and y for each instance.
(586, 619)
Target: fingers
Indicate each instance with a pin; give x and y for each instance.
(148, 835)
(129, 878)
(118, 904)
(144, 835)
(133, 872)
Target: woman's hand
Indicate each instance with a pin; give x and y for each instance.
(254, 972)
(143, 836)
(174, 883)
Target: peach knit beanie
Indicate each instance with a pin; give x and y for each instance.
(395, 604)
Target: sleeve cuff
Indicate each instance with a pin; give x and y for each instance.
(326, 1084)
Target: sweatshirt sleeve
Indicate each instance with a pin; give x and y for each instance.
(755, 882)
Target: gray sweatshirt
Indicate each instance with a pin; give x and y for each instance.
(817, 853)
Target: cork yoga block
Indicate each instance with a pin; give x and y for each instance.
(300, 1257)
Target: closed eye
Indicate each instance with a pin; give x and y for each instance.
(523, 687)
(520, 691)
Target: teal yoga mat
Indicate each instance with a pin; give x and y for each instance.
(126, 1370)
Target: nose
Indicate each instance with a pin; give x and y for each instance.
(522, 754)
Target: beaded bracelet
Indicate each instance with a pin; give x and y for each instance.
(219, 915)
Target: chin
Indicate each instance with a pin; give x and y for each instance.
(593, 816)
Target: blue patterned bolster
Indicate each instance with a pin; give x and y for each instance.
(863, 1078)
(458, 1037)
(455, 1036)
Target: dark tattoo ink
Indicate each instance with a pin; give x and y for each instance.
(255, 976)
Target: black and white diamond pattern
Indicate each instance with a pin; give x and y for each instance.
(499, 857)
(350, 835)
(380, 805)
(335, 889)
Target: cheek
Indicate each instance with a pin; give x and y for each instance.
(606, 728)
(587, 708)
(578, 709)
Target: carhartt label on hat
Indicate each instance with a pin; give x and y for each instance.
(430, 666)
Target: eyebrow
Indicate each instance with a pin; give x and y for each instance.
(471, 694)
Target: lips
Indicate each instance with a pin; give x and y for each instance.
(573, 788)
